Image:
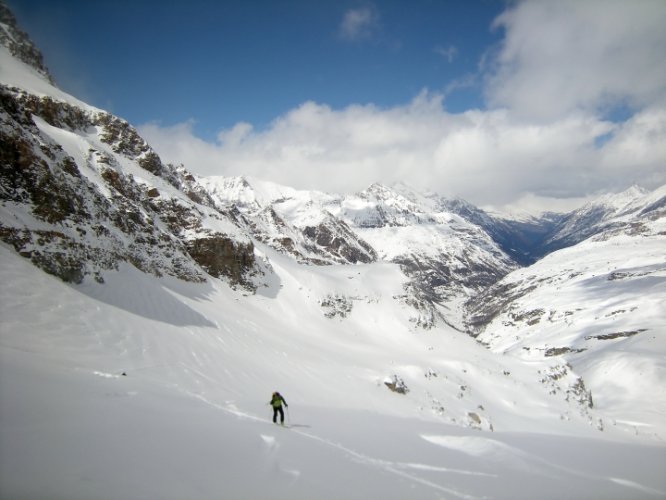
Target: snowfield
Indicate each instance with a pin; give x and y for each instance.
(154, 388)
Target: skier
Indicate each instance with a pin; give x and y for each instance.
(276, 402)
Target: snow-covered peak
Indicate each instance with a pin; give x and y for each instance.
(615, 202)
(19, 45)
(610, 211)
(377, 190)
(381, 205)
(609, 205)
(645, 202)
(253, 193)
(231, 190)
(516, 214)
(396, 194)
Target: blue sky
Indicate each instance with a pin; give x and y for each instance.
(221, 62)
(537, 104)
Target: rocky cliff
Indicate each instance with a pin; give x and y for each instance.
(82, 193)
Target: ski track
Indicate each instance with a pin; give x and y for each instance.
(392, 467)
(386, 465)
(638, 487)
(501, 452)
(484, 448)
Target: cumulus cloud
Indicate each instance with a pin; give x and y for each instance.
(545, 134)
(570, 55)
(359, 24)
(487, 157)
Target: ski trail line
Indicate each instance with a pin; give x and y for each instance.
(360, 457)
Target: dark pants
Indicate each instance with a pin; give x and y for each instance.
(275, 414)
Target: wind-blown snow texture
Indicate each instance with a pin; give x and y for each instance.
(418, 359)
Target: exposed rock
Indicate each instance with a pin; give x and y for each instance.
(56, 113)
(90, 228)
(487, 305)
(335, 305)
(335, 238)
(396, 384)
(616, 335)
(560, 379)
(52, 251)
(559, 351)
(579, 394)
(422, 302)
(221, 256)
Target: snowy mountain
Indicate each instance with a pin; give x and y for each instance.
(522, 238)
(293, 222)
(82, 192)
(147, 315)
(528, 239)
(19, 45)
(598, 307)
(611, 211)
(447, 258)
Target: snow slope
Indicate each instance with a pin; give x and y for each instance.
(15, 73)
(598, 309)
(147, 387)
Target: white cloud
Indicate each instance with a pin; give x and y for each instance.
(562, 56)
(638, 149)
(486, 157)
(544, 136)
(531, 204)
(359, 24)
(236, 135)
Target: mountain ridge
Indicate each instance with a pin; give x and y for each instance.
(19, 44)
(451, 249)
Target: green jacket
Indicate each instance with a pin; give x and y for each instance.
(277, 400)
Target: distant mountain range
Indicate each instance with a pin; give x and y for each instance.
(90, 192)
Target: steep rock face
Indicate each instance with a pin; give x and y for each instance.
(81, 193)
(290, 221)
(221, 256)
(60, 219)
(337, 239)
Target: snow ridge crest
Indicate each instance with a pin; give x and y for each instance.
(19, 44)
